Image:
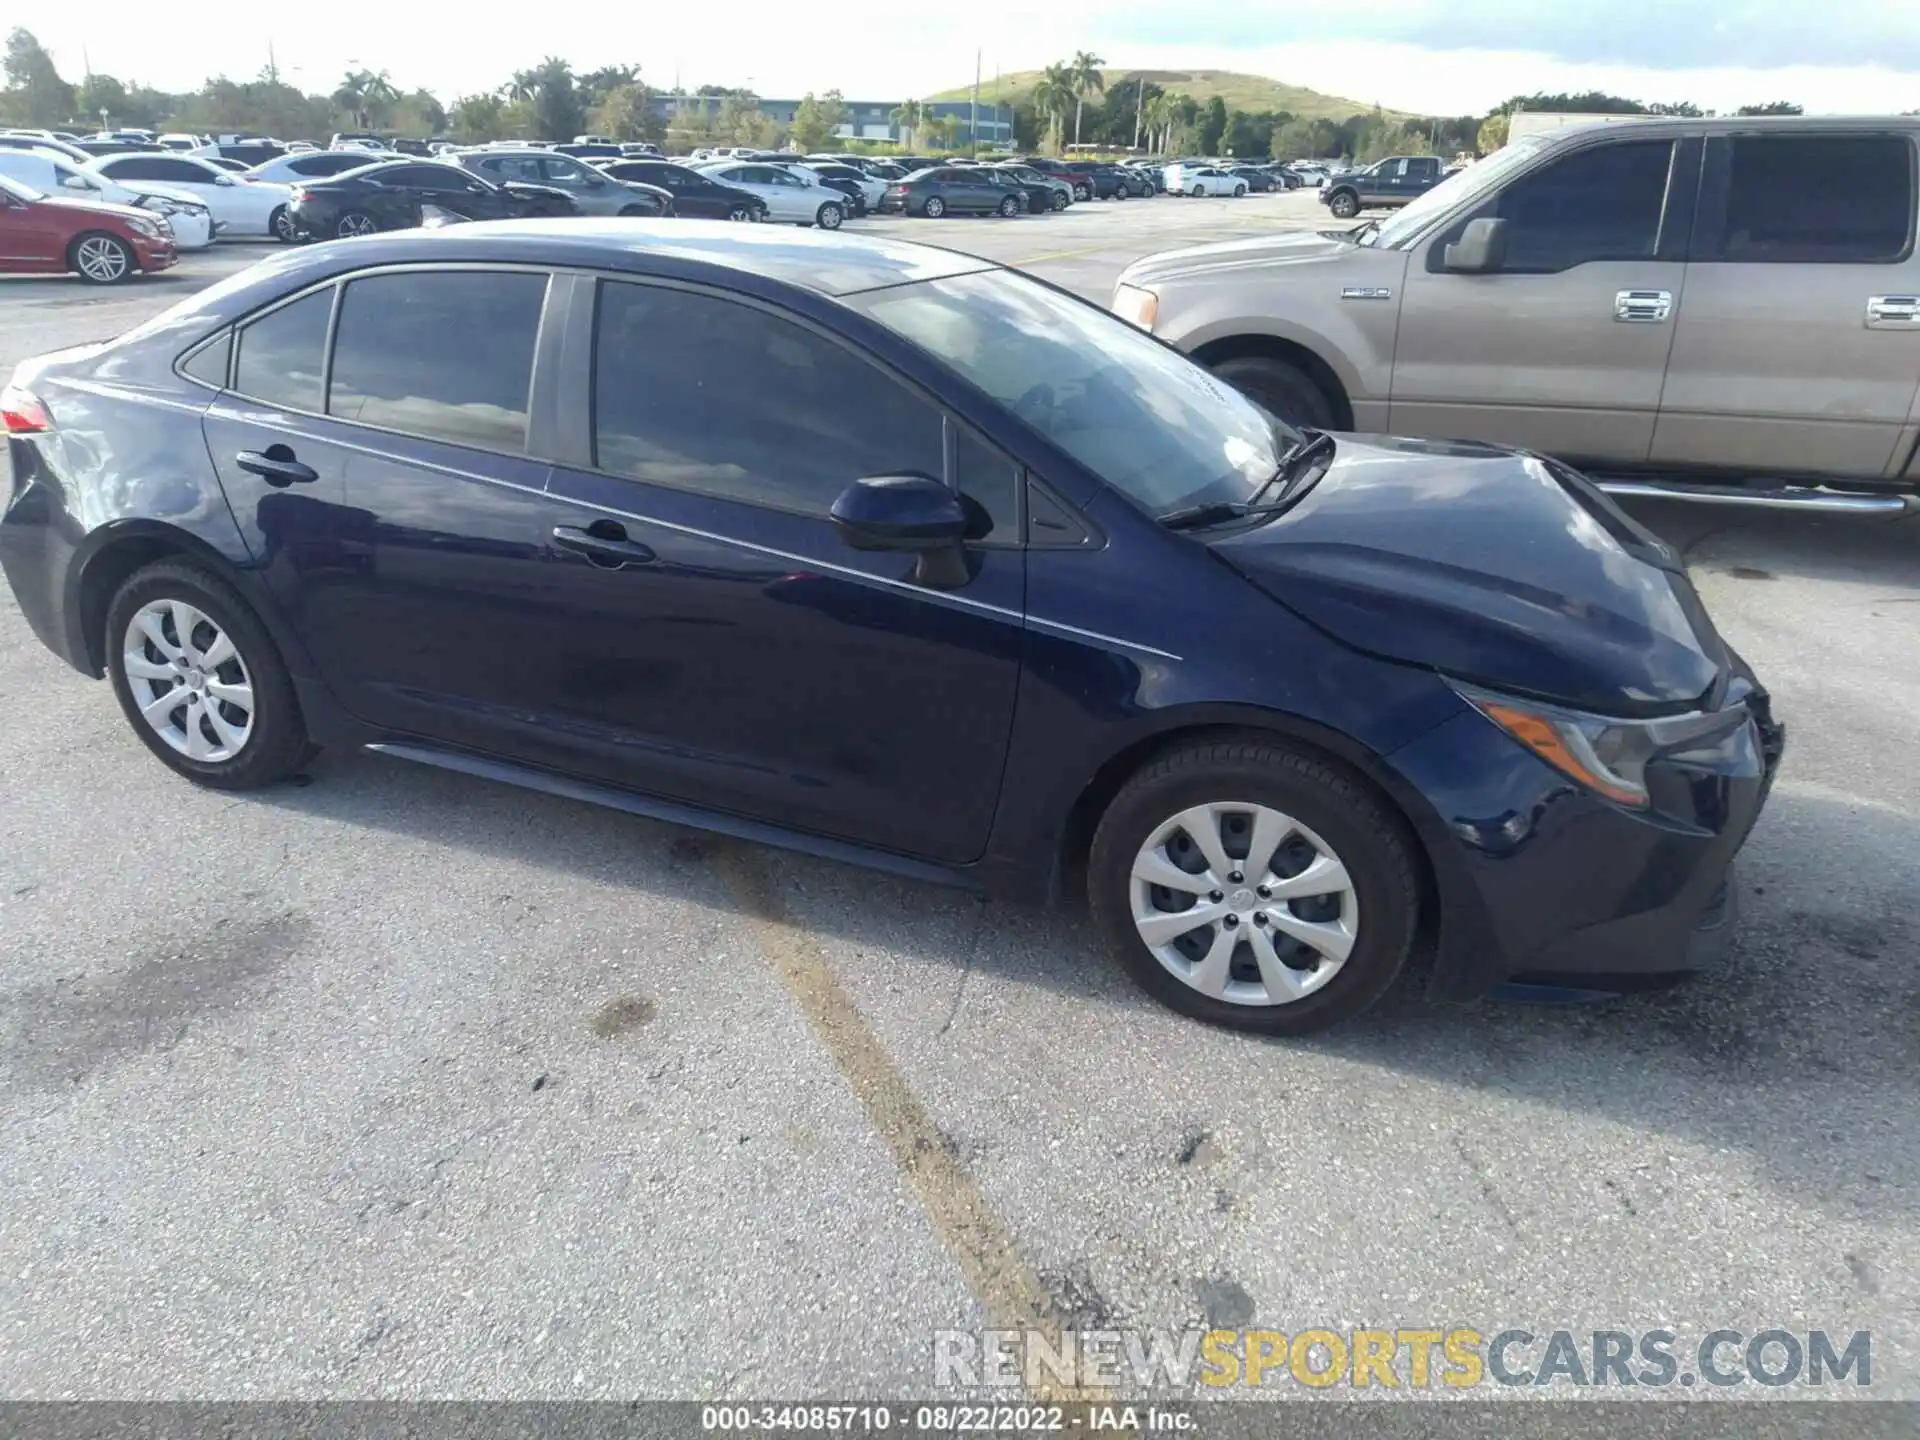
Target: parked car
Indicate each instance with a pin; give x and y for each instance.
(1395, 181)
(952, 190)
(1556, 296)
(392, 196)
(1205, 180)
(790, 197)
(189, 222)
(244, 153)
(42, 234)
(1119, 182)
(639, 148)
(695, 196)
(297, 169)
(1286, 700)
(98, 148)
(1259, 181)
(582, 150)
(240, 208)
(854, 181)
(1038, 194)
(1078, 184)
(32, 141)
(1059, 192)
(592, 190)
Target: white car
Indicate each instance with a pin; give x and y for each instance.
(792, 196)
(244, 208)
(311, 165)
(191, 222)
(871, 187)
(1205, 180)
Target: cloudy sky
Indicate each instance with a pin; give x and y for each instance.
(1445, 56)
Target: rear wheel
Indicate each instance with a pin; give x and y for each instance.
(101, 259)
(1198, 191)
(1283, 389)
(740, 214)
(828, 216)
(281, 224)
(934, 208)
(1254, 886)
(1083, 193)
(1119, 192)
(1009, 207)
(354, 222)
(200, 680)
(1238, 191)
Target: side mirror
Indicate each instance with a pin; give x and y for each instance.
(1480, 250)
(74, 182)
(594, 182)
(911, 513)
(223, 180)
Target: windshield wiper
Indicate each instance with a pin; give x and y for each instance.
(1293, 467)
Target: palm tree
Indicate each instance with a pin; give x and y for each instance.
(363, 92)
(524, 85)
(1083, 74)
(1158, 112)
(1052, 96)
(908, 115)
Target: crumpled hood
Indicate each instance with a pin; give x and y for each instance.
(1262, 251)
(1490, 565)
(125, 212)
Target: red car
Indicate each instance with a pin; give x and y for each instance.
(43, 234)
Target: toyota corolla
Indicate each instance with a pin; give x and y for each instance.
(982, 585)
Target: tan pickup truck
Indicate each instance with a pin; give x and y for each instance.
(1724, 310)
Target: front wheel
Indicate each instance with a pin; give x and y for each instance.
(934, 208)
(200, 680)
(828, 216)
(1009, 207)
(1344, 204)
(1059, 200)
(281, 224)
(1119, 192)
(1255, 886)
(740, 214)
(1238, 191)
(101, 259)
(1283, 390)
(1199, 192)
(1084, 193)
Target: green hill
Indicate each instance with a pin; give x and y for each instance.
(1251, 93)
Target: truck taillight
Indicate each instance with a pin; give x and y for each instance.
(22, 413)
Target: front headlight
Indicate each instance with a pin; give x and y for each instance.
(1140, 307)
(1605, 753)
(159, 204)
(145, 227)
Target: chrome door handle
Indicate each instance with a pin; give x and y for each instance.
(1893, 312)
(1646, 307)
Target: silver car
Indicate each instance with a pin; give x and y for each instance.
(593, 192)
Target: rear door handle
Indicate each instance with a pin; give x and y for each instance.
(1893, 312)
(276, 466)
(1643, 307)
(605, 544)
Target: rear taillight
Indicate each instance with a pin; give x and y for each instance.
(297, 196)
(22, 413)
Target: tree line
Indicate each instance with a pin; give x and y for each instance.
(1075, 103)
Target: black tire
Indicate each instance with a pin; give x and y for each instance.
(934, 208)
(1198, 192)
(278, 745)
(1370, 841)
(1083, 194)
(1284, 389)
(107, 248)
(741, 214)
(1119, 193)
(636, 212)
(829, 216)
(1343, 204)
(1060, 200)
(280, 226)
(355, 222)
(1009, 207)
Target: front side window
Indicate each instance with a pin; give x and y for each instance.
(512, 167)
(701, 393)
(1812, 199)
(1601, 203)
(447, 355)
(1151, 423)
(282, 355)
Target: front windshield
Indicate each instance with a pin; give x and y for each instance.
(1475, 180)
(1141, 416)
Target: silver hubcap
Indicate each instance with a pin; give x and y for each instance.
(1244, 903)
(282, 224)
(101, 259)
(188, 681)
(356, 225)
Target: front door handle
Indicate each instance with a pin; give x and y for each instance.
(605, 544)
(1644, 307)
(276, 466)
(1893, 312)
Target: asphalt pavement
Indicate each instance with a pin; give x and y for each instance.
(402, 1084)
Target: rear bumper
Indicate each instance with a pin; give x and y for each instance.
(1540, 879)
(36, 555)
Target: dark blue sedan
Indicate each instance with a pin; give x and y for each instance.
(896, 556)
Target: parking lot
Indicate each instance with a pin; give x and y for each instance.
(402, 1084)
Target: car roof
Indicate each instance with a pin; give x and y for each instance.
(832, 264)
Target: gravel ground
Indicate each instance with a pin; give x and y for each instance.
(404, 1085)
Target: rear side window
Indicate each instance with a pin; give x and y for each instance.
(1602, 203)
(135, 167)
(444, 355)
(208, 364)
(1809, 199)
(700, 393)
(282, 355)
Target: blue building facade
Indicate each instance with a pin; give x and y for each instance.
(866, 119)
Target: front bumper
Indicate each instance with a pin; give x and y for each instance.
(154, 253)
(1540, 879)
